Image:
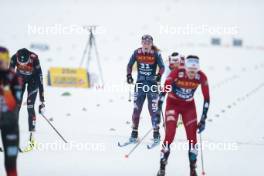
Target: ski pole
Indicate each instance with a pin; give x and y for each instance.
(202, 159)
(139, 142)
(53, 127)
(163, 120)
(129, 93)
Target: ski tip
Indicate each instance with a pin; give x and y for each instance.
(126, 156)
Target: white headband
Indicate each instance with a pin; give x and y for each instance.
(175, 57)
(192, 63)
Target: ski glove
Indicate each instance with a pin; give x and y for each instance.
(158, 77)
(41, 108)
(130, 80)
(201, 125)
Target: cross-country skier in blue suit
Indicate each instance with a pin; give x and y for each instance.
(148, 58)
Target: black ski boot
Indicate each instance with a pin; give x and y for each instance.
(165, 152)
(193, 170)
(156, 135)
(134, 135)
(161, 172)
(192, 159)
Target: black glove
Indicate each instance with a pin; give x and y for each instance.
(158, 77)
(41, 108)
(201, 124)
(130, 80)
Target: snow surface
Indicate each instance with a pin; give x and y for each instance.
(101, 118)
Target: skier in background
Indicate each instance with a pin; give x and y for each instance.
(147, 58)
(181, 85)
(27, 66)
(10, 94)
(176, 61)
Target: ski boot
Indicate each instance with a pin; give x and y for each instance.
(193, 170)
(193, 159)
(161, 172)
(32, 141)
(134, 135)
(156, 135)
(165, 152)
(31, 144)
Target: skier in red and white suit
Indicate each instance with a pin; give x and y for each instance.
(176, 61)
(181, 85)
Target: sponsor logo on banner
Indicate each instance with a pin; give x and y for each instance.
(68, 77)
